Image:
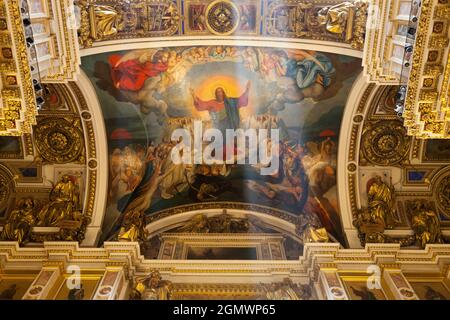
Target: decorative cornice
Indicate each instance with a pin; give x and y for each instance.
(18, 102)
(105, 20)
(427, 109)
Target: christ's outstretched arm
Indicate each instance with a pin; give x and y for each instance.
(243, 99)
(199, 104)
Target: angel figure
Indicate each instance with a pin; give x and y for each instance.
(381, 202)
(130, 71)
(426, 225)
(320, 167)
(152, 287)
(63, 205)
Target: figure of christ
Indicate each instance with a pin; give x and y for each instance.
(224, 111)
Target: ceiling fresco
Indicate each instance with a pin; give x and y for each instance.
(146, 94)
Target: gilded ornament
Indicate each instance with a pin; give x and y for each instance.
(92, 164)
(425, 224)
(385, 143)
(151, 287)
(358, 118)
(337, 19)
(20, 222)
(59, 140)
(438, 63)
(380, 213)
(86, 115)
(340, 22)
(133, 227)
(64, 204)
(105, 20)
(12, 34)
(428, 82)
(222, 17)
(100, 21)
(63, 211)
(381, 202)
(351, 167)
(438, 27)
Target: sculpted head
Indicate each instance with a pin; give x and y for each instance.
(154, 280)
(29, 203)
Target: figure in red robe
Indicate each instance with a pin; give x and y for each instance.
(224, 111)
(131, 74)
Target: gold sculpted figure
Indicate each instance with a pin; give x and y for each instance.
(314, 234)
(133, 228)
(64, 200)
(152, 287)
(105, 21)
(335, 18)
(20, 222)
(425, 224)
(381, 203)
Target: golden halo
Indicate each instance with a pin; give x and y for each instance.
(217, 87)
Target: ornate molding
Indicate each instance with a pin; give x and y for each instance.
(119, 262)
(18, 101)
(222, 205)
(395, 159)
(60, 140)
(384, 143)
(326, 20)
(379, 61)
(427, 108)
(105, 20)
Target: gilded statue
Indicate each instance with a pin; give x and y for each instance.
(425, 224)
(381, 203)
(314, 234)
(20, 222)
(151, 287)
(335, 18)
(63, 205)
(105, 21)
(133, 227)
(379, 215)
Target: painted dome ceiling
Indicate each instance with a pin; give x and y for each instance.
(147, 94)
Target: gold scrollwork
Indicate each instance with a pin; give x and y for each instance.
(385, 143)
(222, 17)
(59, 140)
(432, 61)
(18, 110)
(330, 20)
(111, 20)
(425, 223)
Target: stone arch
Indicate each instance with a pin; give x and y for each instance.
(96, 155)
